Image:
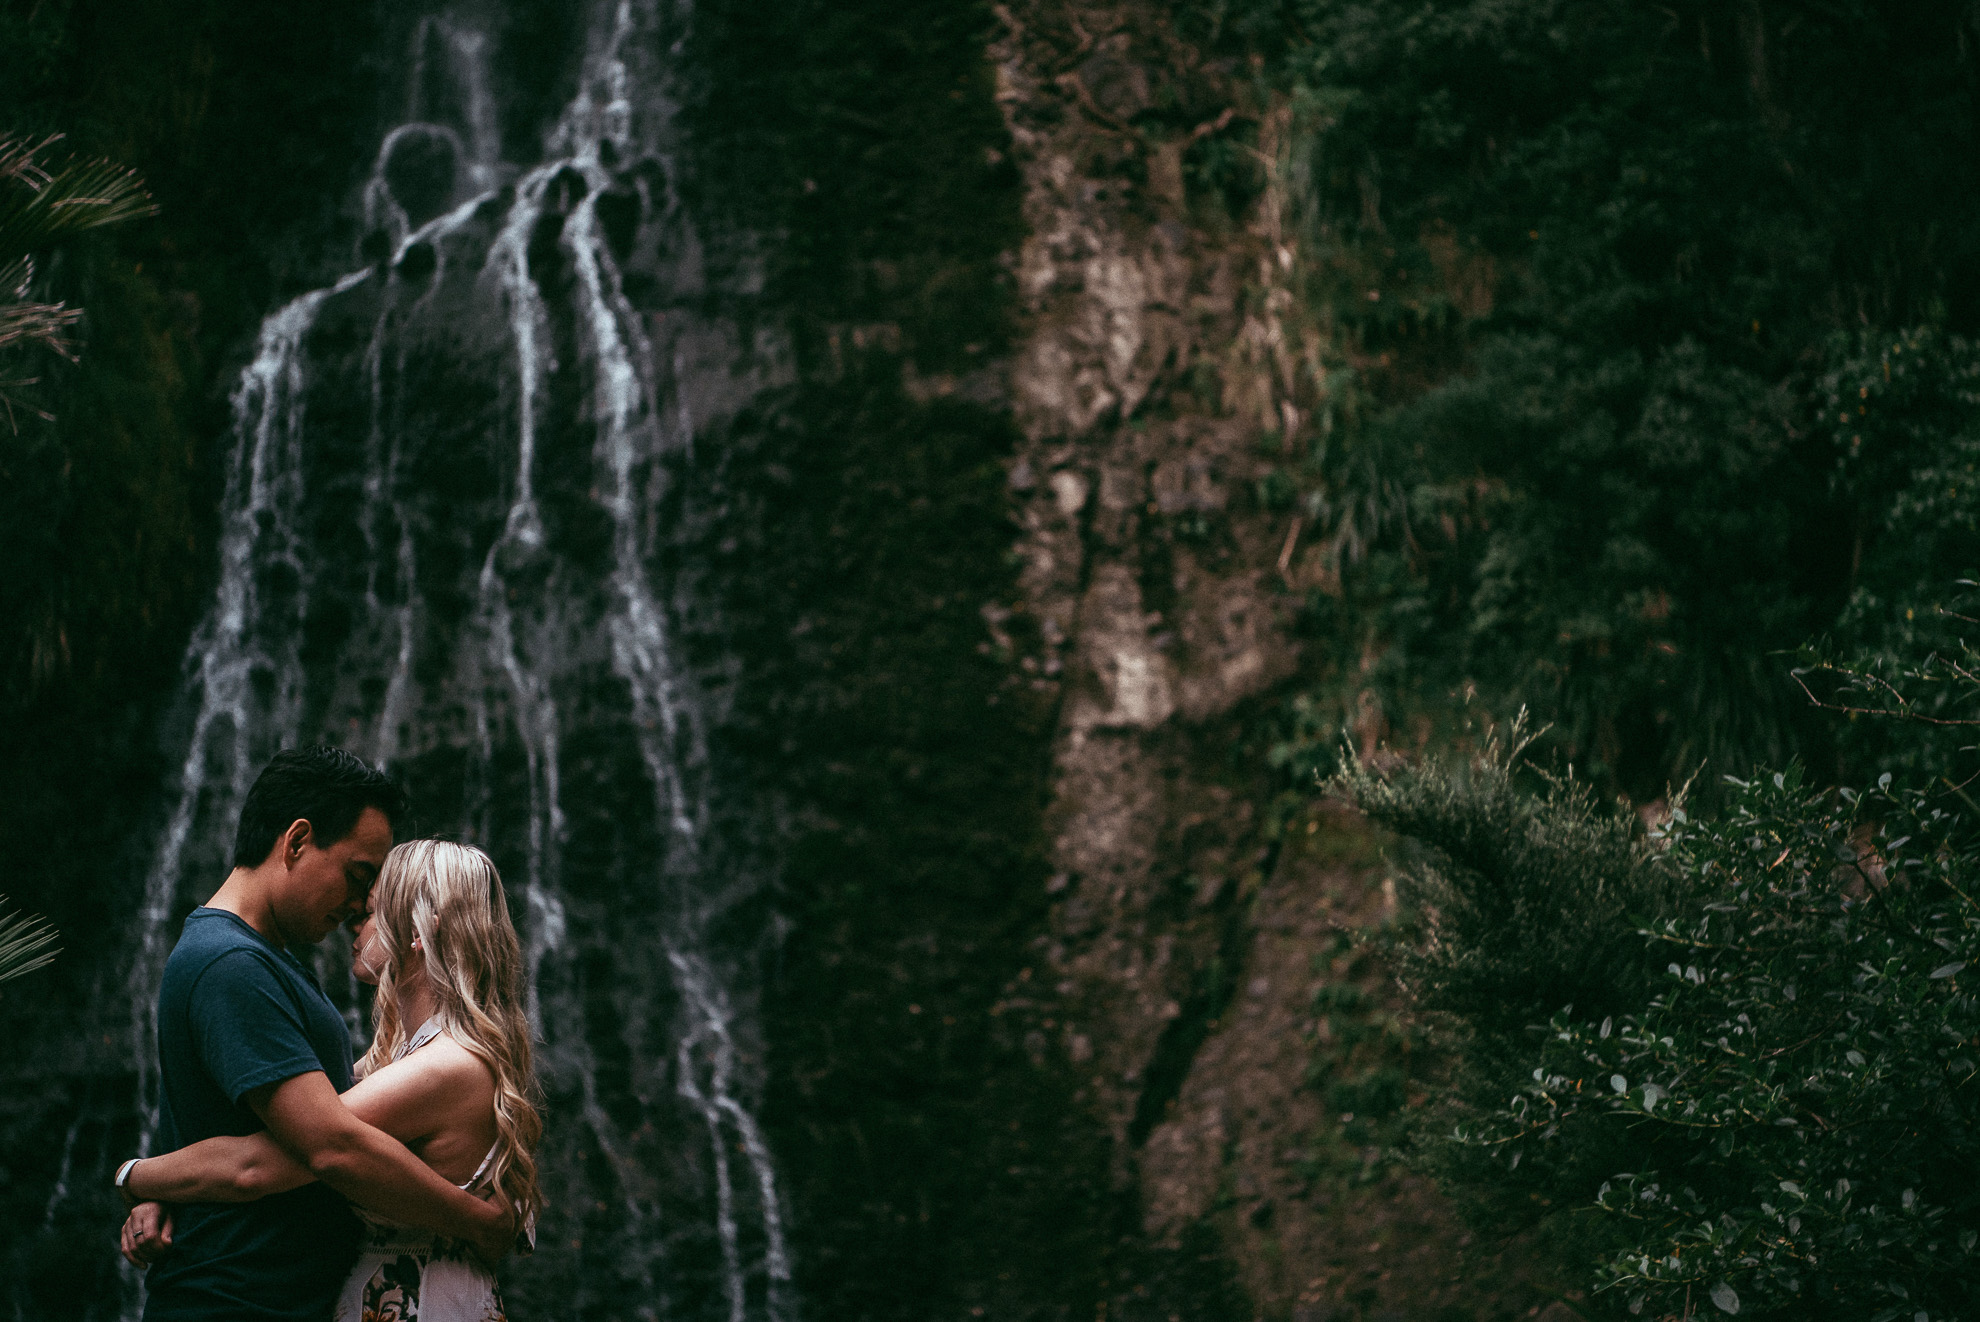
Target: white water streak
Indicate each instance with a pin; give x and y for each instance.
(60, 1194)
(522, 539)
(624, 406)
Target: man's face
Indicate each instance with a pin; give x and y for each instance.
(326, 886)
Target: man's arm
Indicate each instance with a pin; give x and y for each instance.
(218, 1170)
(370, 1167)
(409, 1100)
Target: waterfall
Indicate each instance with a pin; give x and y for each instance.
(242, 661)
(439, 548)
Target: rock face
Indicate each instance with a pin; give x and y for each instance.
(1150, 637)
(1188, 936)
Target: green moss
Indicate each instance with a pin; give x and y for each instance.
(941, 1158)
(933, 1167)
(861, 142)
(914, 1131)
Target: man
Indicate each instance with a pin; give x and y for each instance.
(247, 1040)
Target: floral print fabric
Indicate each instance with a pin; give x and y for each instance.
(434, 1281)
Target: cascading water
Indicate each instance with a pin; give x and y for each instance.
(454, 476)
(243, 658)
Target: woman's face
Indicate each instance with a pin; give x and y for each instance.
(369, 952)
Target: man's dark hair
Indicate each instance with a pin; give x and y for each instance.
(326, 786)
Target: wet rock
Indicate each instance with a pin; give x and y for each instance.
(1117, 85)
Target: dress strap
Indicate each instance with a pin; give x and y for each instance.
(482, 1169)
(426, 1032)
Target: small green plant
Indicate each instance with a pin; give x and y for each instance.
(1364, 1055)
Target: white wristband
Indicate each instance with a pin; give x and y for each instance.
(123, 1182)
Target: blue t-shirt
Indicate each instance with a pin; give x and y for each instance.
(235, 1013)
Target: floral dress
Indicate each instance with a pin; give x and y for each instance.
(404, 1274)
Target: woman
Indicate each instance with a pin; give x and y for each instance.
(448, 1074)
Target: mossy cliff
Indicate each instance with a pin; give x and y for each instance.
(942, 1160)
(1014, 600)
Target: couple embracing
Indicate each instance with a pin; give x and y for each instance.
(292, 1184)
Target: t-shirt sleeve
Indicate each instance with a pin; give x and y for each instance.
(246, 1026)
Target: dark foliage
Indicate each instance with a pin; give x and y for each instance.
(1602, 269)
(1731, 1058)
(1529, 900)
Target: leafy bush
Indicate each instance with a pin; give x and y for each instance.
(1524, 902)
(1736, 1052)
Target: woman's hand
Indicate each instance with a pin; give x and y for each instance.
(147, 1234)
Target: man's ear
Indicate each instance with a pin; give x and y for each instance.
(293, 840)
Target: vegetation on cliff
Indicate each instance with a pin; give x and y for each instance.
(1651, 360)
(1654, 319)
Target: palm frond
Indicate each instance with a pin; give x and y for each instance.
(39, 205)
(17, 159)
(26, 944)
(43, 204)
(43, 322)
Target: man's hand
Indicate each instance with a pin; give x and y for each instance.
(147, 1234)
(493, 1243)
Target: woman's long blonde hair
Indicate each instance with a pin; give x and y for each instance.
(450, 897)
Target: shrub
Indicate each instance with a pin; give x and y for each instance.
(1738, 1051)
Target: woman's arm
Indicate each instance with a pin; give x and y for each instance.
(218, 1170)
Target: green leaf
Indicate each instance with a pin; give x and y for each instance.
(1724, 1298)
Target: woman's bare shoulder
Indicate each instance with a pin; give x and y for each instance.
(454, 1061)
(440, 1085)
(442, 1064)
